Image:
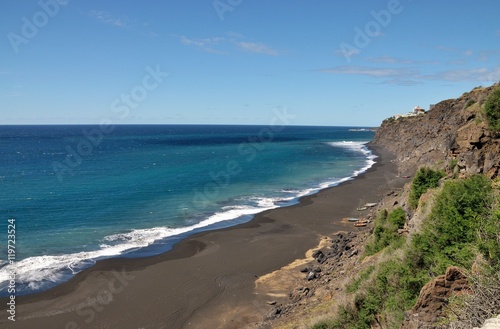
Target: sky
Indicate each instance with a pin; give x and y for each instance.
(323, 62)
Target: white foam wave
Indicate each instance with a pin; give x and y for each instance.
(358, 147)
(35, 273)
(39, 271)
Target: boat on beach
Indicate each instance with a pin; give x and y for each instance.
(361, 223)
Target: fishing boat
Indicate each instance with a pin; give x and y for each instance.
(361, 223)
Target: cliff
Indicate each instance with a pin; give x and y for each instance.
(453, 133)
(454, 136)
(434, 264)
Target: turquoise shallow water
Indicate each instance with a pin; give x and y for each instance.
(81, 193)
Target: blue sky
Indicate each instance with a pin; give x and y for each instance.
(237, 61)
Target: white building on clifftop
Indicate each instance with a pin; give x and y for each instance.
(417, 110)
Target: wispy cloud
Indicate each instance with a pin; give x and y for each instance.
(458, 51)
(206, 44)
(257, 48)
(375, 72)
(396, 76)
(477, 74)
(408, 76)
(222, 45)
(394, 60)
(103, 17)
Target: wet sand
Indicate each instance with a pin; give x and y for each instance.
(208, 279)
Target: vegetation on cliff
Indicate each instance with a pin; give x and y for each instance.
(457, 229)
(462, 225)
(424, 179)
(492, 110)
(385, 232)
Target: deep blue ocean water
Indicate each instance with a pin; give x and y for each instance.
(82, 193)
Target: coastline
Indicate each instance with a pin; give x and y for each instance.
(207, 280)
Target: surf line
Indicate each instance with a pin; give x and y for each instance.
(249, 148)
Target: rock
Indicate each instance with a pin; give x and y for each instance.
(433, 297)
(273, 302)
(353, 253)
(274, 313)
(317, 270)
(311, 276)
(305, 270)
(319, 256)
(450, 131)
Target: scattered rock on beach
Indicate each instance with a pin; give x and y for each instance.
(319, 256)
(274, 313)
(311, 276)
(353, 253)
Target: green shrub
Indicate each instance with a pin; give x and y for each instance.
(424, 179)
(463, 222)
(449, 235)
(469, 103)
(385, 232)
(397, 217)
(489, 239)
(363, 276)
(492, 110)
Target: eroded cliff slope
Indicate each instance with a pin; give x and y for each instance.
(454, 133)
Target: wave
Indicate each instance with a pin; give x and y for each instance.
(42, 272)
(358, 147)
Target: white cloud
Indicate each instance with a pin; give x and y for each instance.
(257, 48)
(206, 44)
(374, 72)
(214, 44)
(407, 76)
(486, 75)
(394, 60)
(106, 18)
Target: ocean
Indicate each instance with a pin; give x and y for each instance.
(77, 194)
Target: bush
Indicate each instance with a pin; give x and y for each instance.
(424, 179)
(463, 222)
(469, 103)
(449, 235)
(385, 232)
(492, 110)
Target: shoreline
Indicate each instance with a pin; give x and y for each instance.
(206, 274)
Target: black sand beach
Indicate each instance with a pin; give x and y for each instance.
(208, 279)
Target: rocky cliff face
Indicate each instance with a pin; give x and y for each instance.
(454, 136)
(433, 296)
(453, 133)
